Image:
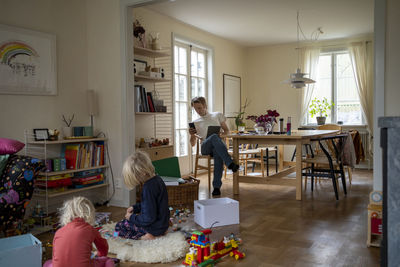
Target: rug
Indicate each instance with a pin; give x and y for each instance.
(167, 248)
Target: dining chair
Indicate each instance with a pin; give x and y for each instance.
(329, 163)
(267, 150)
(208, 166)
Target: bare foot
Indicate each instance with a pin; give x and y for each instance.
(148, 236)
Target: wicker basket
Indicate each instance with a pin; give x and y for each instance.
(182, 194)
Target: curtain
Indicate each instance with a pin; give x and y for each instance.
(310, 58)
(361, 62)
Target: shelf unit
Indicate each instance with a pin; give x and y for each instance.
(160, 125)
(51, 149)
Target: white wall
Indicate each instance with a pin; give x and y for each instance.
(19, 112)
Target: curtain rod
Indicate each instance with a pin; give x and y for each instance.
(334, 45)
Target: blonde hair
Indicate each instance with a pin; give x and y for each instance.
(77, 207)
(137, 169)
(199, 99)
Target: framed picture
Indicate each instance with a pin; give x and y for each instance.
(232, 92)
(27, 62)
(41, 134)
(139, 65)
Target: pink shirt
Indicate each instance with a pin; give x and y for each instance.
(72, 244)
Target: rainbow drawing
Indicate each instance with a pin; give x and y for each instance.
(11, 49)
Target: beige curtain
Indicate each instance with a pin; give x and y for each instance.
(310, 58)
(361, 61)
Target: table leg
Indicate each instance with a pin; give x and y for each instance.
(280, 157)
(299, 165)
(236, 160)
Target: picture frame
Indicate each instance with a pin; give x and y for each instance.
(232, 95)
(41, 134)
(139, 65)
(29, 62)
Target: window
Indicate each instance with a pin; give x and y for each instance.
(190, 76)
(337, 83)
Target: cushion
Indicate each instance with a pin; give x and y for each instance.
(16, 182)
(10, 146)
(3, 162)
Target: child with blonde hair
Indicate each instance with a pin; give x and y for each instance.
(150, 217)
(72, 244)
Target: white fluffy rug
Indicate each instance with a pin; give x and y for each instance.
(163, 249)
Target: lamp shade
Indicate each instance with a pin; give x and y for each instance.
(297, 80)
(92, 102)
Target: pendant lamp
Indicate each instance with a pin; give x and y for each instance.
(297, 80)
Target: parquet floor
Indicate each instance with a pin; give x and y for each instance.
(277, 230)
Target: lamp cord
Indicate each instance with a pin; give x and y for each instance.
(111, 170)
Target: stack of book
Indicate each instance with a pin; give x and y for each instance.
(54, 181)
(84, 155)
(144, 101)
(88, 178)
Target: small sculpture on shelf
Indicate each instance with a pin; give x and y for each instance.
(53, 134)
(155, 44)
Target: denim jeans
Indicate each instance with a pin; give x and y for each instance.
(214, 146)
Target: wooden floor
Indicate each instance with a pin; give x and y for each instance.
(277, 230)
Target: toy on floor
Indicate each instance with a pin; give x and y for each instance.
(203, 253)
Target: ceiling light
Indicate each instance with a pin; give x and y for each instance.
(297, 80)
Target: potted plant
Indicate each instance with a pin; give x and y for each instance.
(320, 107)
(240, 125)
(264, 122)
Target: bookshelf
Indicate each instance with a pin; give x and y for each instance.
(90, 164)
(158, 124)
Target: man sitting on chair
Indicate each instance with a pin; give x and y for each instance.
(211, 145)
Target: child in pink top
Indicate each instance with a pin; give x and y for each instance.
(72, 244)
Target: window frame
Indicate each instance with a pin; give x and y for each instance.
(334, 88)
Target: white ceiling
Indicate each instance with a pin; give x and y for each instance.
(266, 22)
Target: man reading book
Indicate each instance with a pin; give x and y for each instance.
(211, 145)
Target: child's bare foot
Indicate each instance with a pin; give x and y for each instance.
(148, 236)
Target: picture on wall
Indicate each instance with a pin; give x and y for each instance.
(27, 62)
(231, 95)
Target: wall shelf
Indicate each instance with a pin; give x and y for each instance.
(150, 52)
(142, 78)
(66, 141)
(152, 113)
(73, 170)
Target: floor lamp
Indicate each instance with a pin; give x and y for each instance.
(92, 106)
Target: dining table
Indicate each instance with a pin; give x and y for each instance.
(297, 138)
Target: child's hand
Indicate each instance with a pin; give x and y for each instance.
(129, 210)
(128, 214)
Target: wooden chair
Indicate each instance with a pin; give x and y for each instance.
(208, 165)
(328, 163)
(266, 152)
(247, 154)
(336, 127)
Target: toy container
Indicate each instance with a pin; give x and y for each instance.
(21, 250)
(224, 210)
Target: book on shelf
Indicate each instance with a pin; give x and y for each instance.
(84, 155)
(150, 101)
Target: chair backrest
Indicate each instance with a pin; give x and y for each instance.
(167, 167)
(330, 127)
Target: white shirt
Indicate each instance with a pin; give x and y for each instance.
(211, 119)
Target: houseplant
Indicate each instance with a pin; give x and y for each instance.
(240, 125)
(320, 107)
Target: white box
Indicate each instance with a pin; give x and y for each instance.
(21, 250)
(208, 211)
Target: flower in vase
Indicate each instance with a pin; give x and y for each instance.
(265, 120)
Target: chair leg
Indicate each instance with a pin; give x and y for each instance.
(294, 154)
(312, 177)
(350, 173)
(262, 163)
(209, 173)
(196, 164)
(276, 159)
(267, 160)
(343, 180)
(334, 185)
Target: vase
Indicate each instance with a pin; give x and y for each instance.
(259, 128)
(67, 131)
